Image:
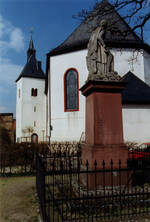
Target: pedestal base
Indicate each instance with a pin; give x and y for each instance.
(109, 174)
(107, 153)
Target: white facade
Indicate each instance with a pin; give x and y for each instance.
(30, 110)
(68, 126)
(136, 123)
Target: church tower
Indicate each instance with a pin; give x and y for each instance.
(31, 100)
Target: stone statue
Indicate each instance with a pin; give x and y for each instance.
(100, 61)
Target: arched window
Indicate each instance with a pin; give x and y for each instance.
(71, 91)
(34, 92)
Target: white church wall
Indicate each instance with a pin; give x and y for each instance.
(48, 99)
(48, 114)
(66, 125)
(70, 125)
(18, 110)
(126, 60)
(30, 117)
(136, 122)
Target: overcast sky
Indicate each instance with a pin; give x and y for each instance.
(52, 23)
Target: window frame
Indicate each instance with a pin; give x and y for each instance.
(65, 90)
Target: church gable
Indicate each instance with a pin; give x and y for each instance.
(119, 34)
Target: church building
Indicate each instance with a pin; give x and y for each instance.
(31, 101)
(66, 73)
(51, 107)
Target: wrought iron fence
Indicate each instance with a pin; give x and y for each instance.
(40, 185)
(76, 192)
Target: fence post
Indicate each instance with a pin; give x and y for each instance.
(41, 186)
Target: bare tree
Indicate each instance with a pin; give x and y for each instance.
(29, 130)
(135, 12)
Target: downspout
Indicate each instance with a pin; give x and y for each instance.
(48, 92)
(49, 81)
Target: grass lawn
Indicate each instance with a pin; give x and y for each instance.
(17, 199)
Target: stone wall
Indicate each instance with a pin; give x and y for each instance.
(7, 127)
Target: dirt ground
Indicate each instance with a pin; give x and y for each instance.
(17, 200)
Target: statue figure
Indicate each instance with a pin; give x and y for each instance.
(100, 61)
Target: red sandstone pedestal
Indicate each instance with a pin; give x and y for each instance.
(104, 129)
(104, 133)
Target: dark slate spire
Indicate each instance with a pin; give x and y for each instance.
(31, 45)
(33, 67)
(31, 51)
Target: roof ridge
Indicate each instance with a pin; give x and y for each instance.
(135, 76)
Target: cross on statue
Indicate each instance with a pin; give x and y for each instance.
(131, 61)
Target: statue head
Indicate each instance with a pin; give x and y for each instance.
(103, 23)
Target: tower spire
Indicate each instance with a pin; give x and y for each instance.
(31, 45)
(31, 50)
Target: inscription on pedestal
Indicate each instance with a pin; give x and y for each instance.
(99, 127)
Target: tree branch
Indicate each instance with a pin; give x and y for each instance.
(131, 11)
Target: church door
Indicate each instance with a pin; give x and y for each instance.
(34, 138)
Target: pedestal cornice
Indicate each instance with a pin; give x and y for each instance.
(102, 86)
